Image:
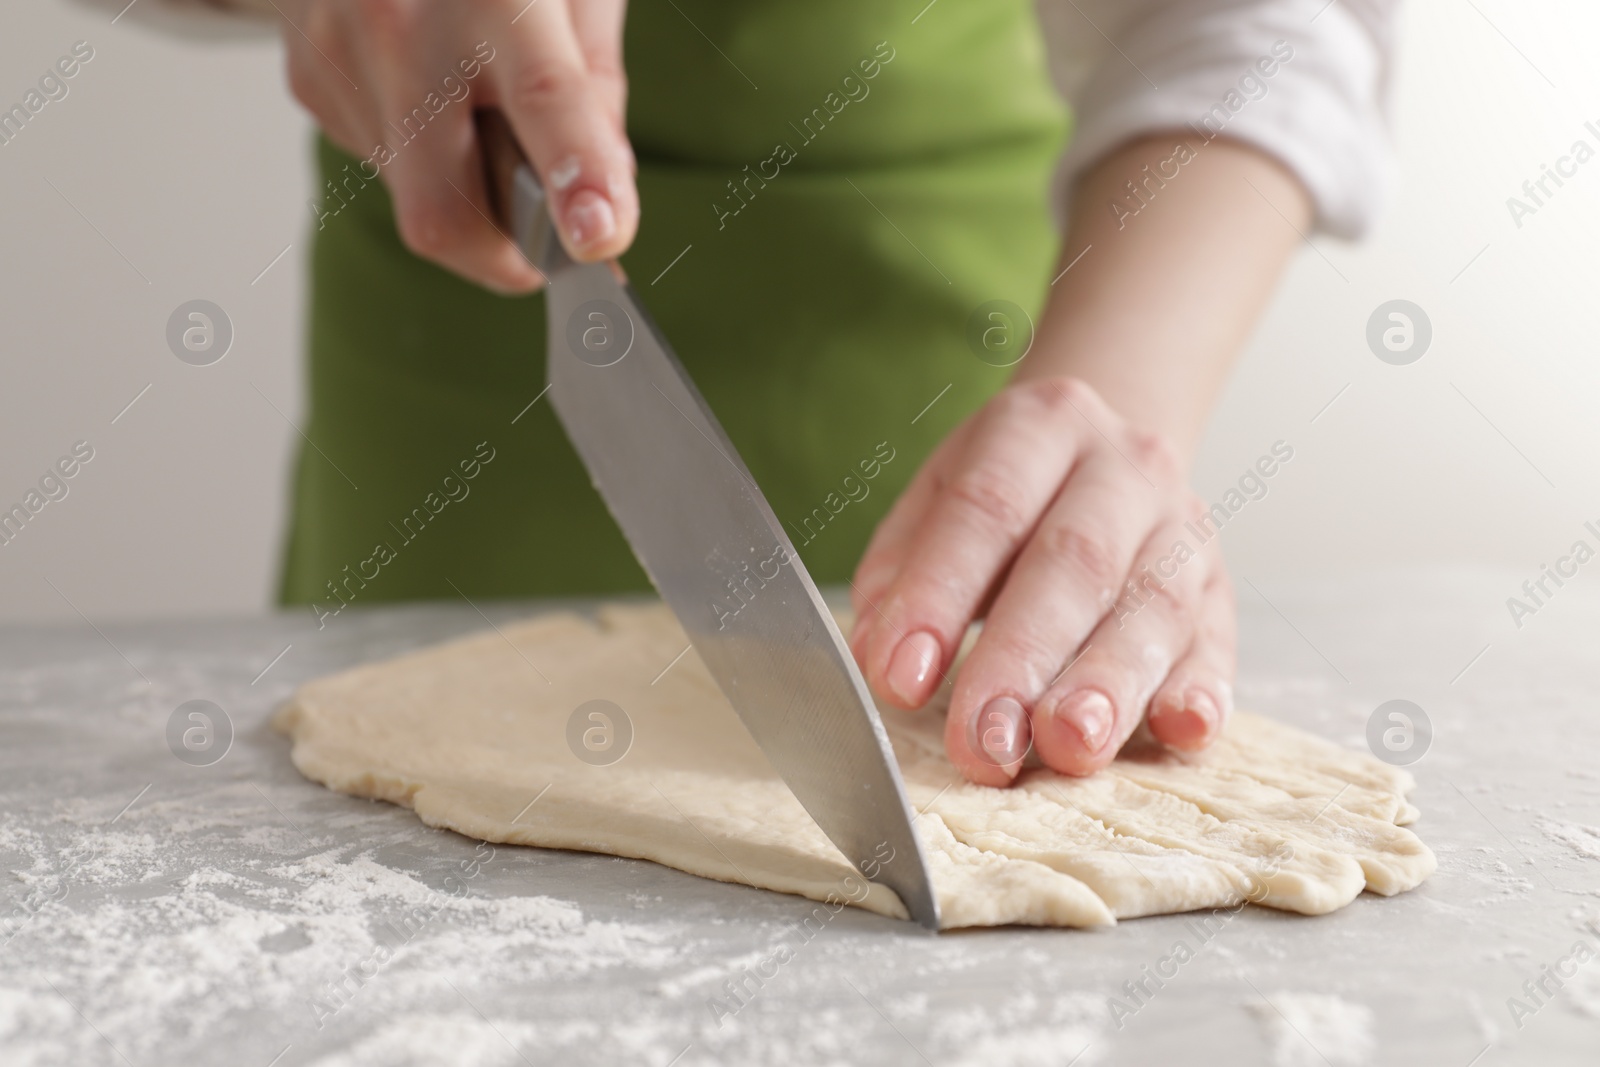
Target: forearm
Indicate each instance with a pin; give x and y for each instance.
(1163, 289)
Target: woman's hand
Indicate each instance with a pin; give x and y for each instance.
(374, 73)
(1039, 511)
(1073, 535)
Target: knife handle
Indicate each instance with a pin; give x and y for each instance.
(516, 198)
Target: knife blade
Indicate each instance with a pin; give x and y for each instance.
(705, 534)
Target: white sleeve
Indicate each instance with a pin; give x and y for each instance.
(1305, 81)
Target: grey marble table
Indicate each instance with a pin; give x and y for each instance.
(157, 912)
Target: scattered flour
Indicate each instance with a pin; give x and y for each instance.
(1307, 1029)
(195, 950)
(427, 1040)
(1033, 1047)
(1584, 840)
(225, 938)
(1024, 1032)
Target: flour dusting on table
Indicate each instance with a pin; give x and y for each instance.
(1315, 1028)
(314, 941)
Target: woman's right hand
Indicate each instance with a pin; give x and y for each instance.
(554, 67)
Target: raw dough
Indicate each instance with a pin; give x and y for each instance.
(470, 732)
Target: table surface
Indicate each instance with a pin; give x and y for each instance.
(157, 912)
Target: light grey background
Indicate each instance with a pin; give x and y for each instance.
(181, 171)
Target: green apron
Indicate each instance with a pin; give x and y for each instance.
(829, 193)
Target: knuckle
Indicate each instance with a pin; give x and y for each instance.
(1119, 670)
(991, 498)
(1021, 649)
(874, 575)
(1153, 453)
(1088, 553)
(543, 87)
(386, 19)
(606, 66)
(425, 230)
(1097, 664)
(1168, 598)
(1071, 390)
(419, 241)
(1045, 399)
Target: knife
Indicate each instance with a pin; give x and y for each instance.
(705, 534)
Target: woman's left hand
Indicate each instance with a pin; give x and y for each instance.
(1073, 535)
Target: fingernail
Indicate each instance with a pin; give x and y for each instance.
(1003, 731)
(590, 219)
(1089, 713)
(910, 666)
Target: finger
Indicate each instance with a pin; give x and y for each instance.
(1084, 717)
(434, 169)
(563, 120)
(1064, 582)
(1021, 447)
(420, 140)
(885, 553)
(920, 667)
(319, 85)
(1193, 704)
(442, 208)
(598, 27)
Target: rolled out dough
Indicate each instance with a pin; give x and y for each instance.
(470, 732)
